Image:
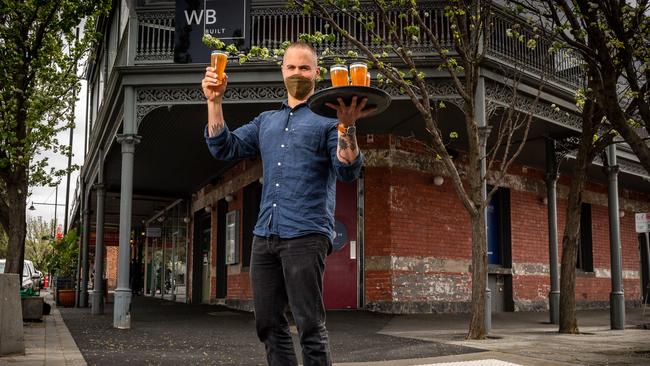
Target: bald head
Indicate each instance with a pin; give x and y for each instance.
(301, 47)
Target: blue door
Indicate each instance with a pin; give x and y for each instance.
(493, 225)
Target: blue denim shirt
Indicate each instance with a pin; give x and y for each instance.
(298, 150)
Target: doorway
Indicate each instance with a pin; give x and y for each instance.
(644, 246)
(222, 269)
(340, 280)
(201, 257)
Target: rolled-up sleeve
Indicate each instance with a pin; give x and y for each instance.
(344, 172)
(241, 143)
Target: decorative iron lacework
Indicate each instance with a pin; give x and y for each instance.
(500, 96)
(632, 167)
(148, 99)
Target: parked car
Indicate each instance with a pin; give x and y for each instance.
(30, 277)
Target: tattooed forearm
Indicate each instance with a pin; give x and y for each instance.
(343, 145)
(347, 150)
(353, 143)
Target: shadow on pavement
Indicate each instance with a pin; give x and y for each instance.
(167, 333)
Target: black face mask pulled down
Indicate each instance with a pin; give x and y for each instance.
(299, 86)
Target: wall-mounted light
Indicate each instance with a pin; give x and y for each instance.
(438, 180)
(229, 197)
(261, 180)
(208, 208)
(621, 214)
(544, 200)
(186, 220)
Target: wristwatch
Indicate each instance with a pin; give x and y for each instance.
(346, 130)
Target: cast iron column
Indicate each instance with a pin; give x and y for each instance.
(97, 295)
(83, 294)
(551, 197)
(122, 305)
(616, 298)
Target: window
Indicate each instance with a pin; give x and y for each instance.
(232, 237)
(585, 257)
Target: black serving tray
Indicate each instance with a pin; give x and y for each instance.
(376, 98)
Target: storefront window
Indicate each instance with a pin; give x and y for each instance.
(166, 254)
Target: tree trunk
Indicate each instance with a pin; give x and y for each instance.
(17, 202)
(570, 239)
(479, 271)
(570, 242)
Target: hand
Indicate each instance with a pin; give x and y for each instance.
(213, 88)
(348, 115)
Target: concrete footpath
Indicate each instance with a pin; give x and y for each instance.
(167, 333)
(47, 343)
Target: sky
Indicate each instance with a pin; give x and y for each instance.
(47, 194)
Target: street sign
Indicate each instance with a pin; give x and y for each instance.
(154, 232)
(642, 221)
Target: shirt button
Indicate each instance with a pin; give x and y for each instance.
(291, 114)
(282, 145)
(279, 163)
(277, 184)
(286, 129)
(274, 205)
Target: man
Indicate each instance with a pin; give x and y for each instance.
(302, 155)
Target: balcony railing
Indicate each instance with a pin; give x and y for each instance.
(272, 25)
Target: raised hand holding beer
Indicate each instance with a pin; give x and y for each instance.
(215, 79)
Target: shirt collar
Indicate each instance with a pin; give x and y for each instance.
(285, 104)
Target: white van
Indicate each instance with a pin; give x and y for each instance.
(31, 278)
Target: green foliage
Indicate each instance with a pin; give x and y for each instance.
(4, 243)
(39, 55)
(37, 246)
(62, 258)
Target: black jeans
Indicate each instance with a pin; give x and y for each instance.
(290, 272)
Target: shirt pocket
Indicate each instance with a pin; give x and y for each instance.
(308, 137)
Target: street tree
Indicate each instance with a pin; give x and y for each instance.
(594, 137)
(40, 50)
(470, 24)
(37, 242)
(611, 40)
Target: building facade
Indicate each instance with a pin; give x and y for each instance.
(185, 219)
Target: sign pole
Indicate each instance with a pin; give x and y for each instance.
(647, 263)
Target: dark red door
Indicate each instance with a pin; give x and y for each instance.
(340, 283)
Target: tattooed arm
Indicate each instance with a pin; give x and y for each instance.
(347, 149)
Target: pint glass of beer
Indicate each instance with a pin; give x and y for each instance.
(218, 60)
(339, 75)
(358, 73)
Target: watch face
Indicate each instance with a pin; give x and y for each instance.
(351, 130)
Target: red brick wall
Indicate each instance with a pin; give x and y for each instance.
(377, 232)
(417, 235)
(530, 246)
(111, 266)
(425, 219)
(529, 228)
(378, 213)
